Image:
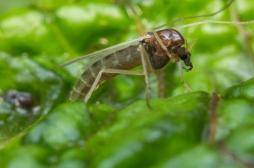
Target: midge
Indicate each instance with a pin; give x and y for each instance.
(153, 51)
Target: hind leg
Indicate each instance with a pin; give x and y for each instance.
(108, 71)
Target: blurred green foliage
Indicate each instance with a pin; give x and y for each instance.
(40, 128)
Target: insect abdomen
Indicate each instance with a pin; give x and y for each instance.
(123, 59)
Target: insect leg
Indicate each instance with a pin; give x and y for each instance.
(162, 45)
(108, 71)
(186, 85)
(145, 64)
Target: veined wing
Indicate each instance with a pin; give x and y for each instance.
(97, 55)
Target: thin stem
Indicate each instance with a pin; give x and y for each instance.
(216, 22)
(161, 86)
(213, 117)
(225, 151)
(246, 37)
(205, 15)
(62, 40)
(136, 16)
(49, 19)
(197, 16)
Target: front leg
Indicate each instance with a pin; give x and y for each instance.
(146, 65)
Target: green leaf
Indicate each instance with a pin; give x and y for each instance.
(44, 86)
(139, 132)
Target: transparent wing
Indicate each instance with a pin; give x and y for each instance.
(97, 55)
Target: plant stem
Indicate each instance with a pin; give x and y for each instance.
(246, 36)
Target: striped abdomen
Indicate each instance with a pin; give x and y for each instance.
(127, 58)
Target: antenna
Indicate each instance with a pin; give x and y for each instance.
(205, 15)
(197, 16)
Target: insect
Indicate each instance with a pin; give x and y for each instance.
(154, 51)
(19, 99)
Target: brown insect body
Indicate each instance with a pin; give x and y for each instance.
(123, 59)
(171, 40)
(129, 57)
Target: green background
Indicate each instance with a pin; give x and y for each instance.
(116, 128)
